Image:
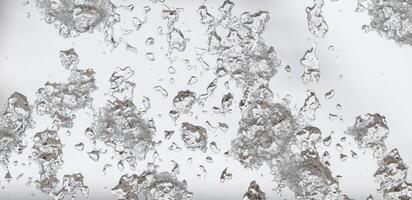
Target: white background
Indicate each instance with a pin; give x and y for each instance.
(376, 78)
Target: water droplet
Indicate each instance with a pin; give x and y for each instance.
(150, 56)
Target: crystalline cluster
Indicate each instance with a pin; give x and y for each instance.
(120, 124)
(392, 19)
(268, 132)
(370, 131)
(13, 123)
(391, 176)
(311, 71)
(47, 153)
(316, 22)
(73, 17)
(254, 192)
(61, 100)
(242, 53)
(151, 185)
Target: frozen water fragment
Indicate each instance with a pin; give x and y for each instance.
(69, 59)
(106, 167)
(254, 192)
(192, 80)
(184, 100)
(213, 146)
(370, 131)
(120, 124)
(150, 41)
(261, 126)
(343, 157)
(72, 185)
(131, 48)
(227, 102)
(316, 22)
(330, 94)
(94, 155)
(171, 70)
(311, 64)
(73, 17)
(13, 123)
(176, 40)
(209, 159)
(163, 92)
(223, 126)
(327, 141)
(392, 171)
(175, 168)
(151, 185)
(389, 18)
(47, 153)
(225, 175)
(129, 7)
(137, 23)
(60, 101)
(339, 148)
(150, 56)
(308, 110)
(174, 115)
(175, 148)
(353, 154)
(79, 146)
(168, 134)
(194, 137)
(171, 15)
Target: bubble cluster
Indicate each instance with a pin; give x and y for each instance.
(60, 101)
(151, 185)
